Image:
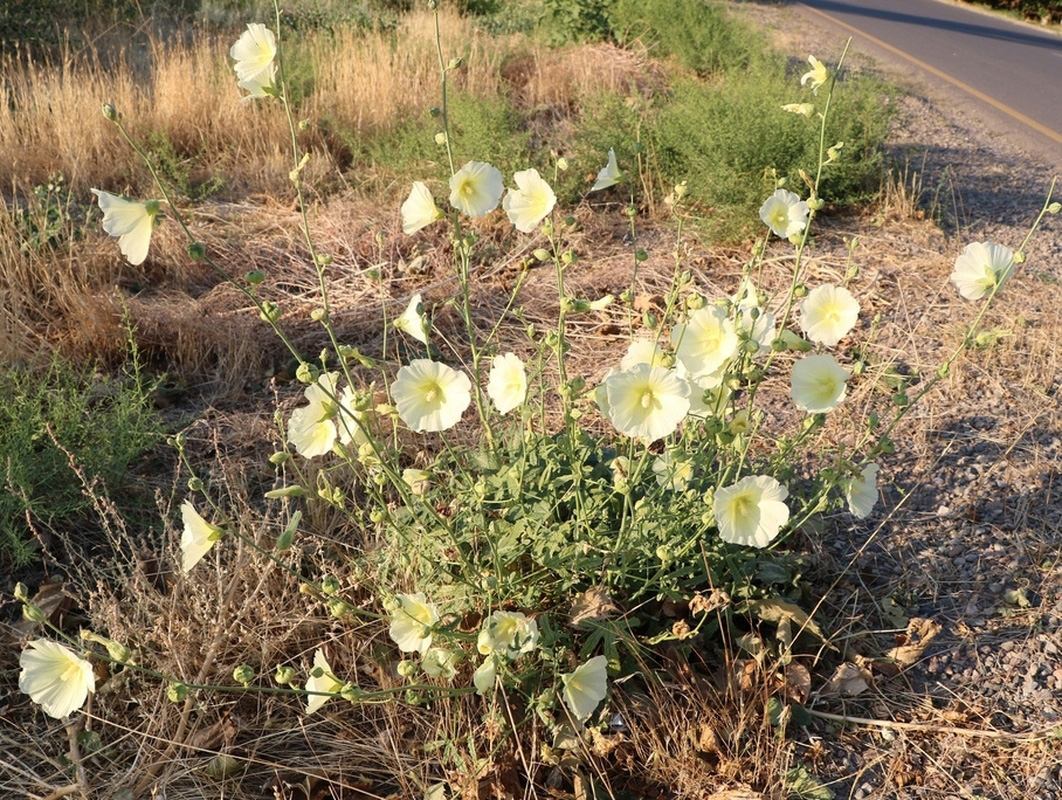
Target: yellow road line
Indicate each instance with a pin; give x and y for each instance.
(1011, 112)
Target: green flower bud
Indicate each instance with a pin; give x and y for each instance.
(406, 668)
(542, 254)
(279, 458)
(118, 651)
(324, 259)
(243, 674)
(304, 125)
(562, 165)
(270, 312)
(33, 613)
(640, 255)
(307, 373)
(1019, 257)
(197, 251)
(330, 584)
(319, 315)
(455, 62)
(943, 371)
(195, 484)
(351, 693)
(21, 592)
(695, 302)
(286, 491)
(900, 399)
(338, 608)
(800, 290)
(177, 692)
(1054, 208)
(284, 675)
(111, 113)
(254, 277)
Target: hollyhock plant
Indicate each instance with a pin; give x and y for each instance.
(818, 383)
(817, 76)
(862, 492)
(530, 202)
(197, 537)
(430, 396)
(609, 174)
(507, 383)
(751, 512)
(55, 677)
(312, 428)
(419, 209)
(785, 213)
(646, 402)
(476, 188)
(706, 342)
(131, 221)
(585, 687)
(981, 268)
(320, 686)
(412, 321)
(828, 314)
(255, 56)
(411, 623)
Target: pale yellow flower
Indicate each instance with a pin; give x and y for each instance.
(476, 188)
(817, 76)
(485, 676)
(430, 396)
(706, 342)
(530, 203)
(509, 634)
(609, 174)
(751, 512)
(981, 267)
(411, 623)
(255, 53)
(419, 209)
(55, 677)
(312, 428)
(197, 537)
(413, 322)
(349, 421)
(862, 492)
(507, 384)
(785, 213)
(818, 383)
(647, 402)
(752, 320)
(321, 687)
(132, 222)
(828, 314)
(439, 663)
(586, 687)
(644, 351)
(671, 472)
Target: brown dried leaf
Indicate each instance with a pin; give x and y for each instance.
(920, 632)
(648, 302)
(593, 605)
(797, 683)
(849, 679)
(707, 739)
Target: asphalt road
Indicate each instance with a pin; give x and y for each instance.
(1010, 71)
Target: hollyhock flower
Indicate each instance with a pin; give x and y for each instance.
(609, 174)
(751, 512)
(817, 76)
(55, 677)
(804, 109)
(322, 686)
(413, 322)
(430, 396)
(197, 537)
(507, 384)
(419, 209)
(644, 351)
(509, 634)
(784, 213)
(647, 402)
(476, 188)
(706, 342)
(349, 421)
(530, 202)
(828, 313)
(818, 383)
(752, 320)
(255, 53)
(585, 688)
(411, 622)
(312, 428)
(485, 676)
(862, 492)
(671, 472)
(981, 267)
(132, 222)
(439, 663)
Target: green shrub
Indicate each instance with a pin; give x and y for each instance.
(105, 423)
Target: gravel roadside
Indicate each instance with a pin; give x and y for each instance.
(969, 532)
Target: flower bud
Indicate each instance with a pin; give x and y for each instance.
(243, 674)
(177, 692)
(1054, 208)
(455, 62)
(319, 315)
(284, 675)
(33, 613)
(279, 458)
(440, 138)
(197, 251)
(254, 277)
(270, 312)
(542, 254)
(111, 113)
(195, 484)
(304, 125)
(640, 255)
(21, 592)
(1019, 257)
(562, 165)
(943, 371)
(338, 608)
(307, 373)
(351, 693)
(118, 651)
(406, 668)
(330, 584)
(285, 491)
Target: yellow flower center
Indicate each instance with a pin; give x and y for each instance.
(742, 505)
(649, 399)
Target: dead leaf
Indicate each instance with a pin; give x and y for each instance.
(53, 601)
(648, 302)
(920, 632)
(707, 739)
(797, 683)
(593, 605)
(848, 679)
